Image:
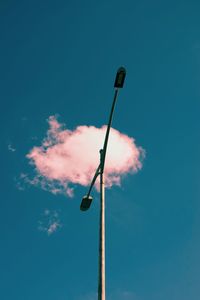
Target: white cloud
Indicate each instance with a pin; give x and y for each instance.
(50, 222)
(53, 228)
(11, 148)
(70, 157)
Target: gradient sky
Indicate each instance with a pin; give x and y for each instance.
(60, 57)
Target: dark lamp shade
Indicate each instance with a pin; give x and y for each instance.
(86, 202)
(120, 77)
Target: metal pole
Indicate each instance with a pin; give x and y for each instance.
(101, 280)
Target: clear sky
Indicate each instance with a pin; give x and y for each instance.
(60, 57)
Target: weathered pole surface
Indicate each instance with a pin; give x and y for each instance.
(101, 281)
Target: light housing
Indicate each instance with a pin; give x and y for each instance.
(86, 202)
(120, 77)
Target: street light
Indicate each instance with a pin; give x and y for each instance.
(87, 200)
(119, 80)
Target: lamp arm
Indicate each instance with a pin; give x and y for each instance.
(94, 179)
(108, 131)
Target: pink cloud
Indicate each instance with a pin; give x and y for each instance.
(68, 157)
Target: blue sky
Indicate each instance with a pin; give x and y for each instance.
(61, 58)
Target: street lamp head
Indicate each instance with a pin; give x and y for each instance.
(86, 202)
(120, 76)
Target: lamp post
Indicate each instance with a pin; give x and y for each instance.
(86, 201)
